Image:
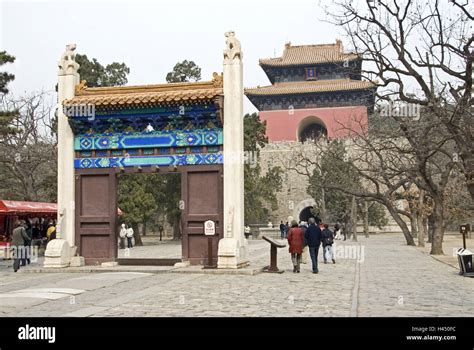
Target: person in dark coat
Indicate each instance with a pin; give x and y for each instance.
(328, 240)
(19, 240)
(282, 230)
(295, 241)
(313, 240)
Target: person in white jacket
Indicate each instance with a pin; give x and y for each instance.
(129, 237)
(122, 235)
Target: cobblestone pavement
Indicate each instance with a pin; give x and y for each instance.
(378, 276)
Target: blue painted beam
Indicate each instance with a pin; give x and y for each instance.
(162, 160)
(155, 139)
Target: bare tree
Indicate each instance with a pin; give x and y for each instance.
(421, 53)
(28, 156)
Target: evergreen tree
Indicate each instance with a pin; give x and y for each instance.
(184, 71)
(5, 116)
(259, 190)
(113, 74)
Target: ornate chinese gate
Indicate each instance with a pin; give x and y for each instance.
(152, 128)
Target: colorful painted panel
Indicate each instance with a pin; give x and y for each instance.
(176, 159)
(178, 118)
(155, 139)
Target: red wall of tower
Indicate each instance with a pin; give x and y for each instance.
(284, 125)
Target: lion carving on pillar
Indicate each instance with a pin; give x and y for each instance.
(233, 48)
(67, 63)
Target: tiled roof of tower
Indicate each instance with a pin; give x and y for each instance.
(148, 95)
(289, 88)
(310, 54)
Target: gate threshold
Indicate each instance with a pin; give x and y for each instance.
(147, 262)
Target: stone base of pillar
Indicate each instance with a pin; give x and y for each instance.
(77, 261)
(232, 254)
(58, 253)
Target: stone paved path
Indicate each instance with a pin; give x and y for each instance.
(378, 276)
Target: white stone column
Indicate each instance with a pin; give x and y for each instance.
(60, 250)
(233, 248)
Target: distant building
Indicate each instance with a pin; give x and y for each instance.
(315, 89)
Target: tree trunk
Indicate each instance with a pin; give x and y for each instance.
(366, 219)
(468, 161)
(430, 227)
(425, 226)
(176, 228)
(420, 219)
(401, 224)
(144, 228)
(354, 218)
(438, 232)
(136, 235)
(414, 225)
(413, 222)
(30, 190)
(323, 206)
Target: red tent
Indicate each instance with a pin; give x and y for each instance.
(17, 207)
(11, 210)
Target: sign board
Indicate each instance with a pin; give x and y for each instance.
(273, 242)
(209, 228)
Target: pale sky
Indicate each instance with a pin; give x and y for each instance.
(151, 36)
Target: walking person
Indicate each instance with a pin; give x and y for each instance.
(129, 237)
(19, 238)
(295, 241)
(247, 231)
(282, 230)
(122, 235)
(313, 240)
(328, 240)
(345, 229)
(337, 232)
(305, 253)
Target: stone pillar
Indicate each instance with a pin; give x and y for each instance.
(233, 248)
(60, 250)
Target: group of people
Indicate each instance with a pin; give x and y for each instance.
(22, 236)
(126, 231)
(311, 237)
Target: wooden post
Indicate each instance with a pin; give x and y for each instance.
(210, 264)
(273, 259)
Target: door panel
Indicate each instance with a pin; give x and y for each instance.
(96, 202)
(203, 195)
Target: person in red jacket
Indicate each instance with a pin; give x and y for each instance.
(295, 241)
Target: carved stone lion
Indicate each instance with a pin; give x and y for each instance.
(67, 63)
(233, 48)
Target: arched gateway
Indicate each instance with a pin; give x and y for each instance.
(156, 128)
(163, 128)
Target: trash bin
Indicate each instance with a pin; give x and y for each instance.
(465, 262)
